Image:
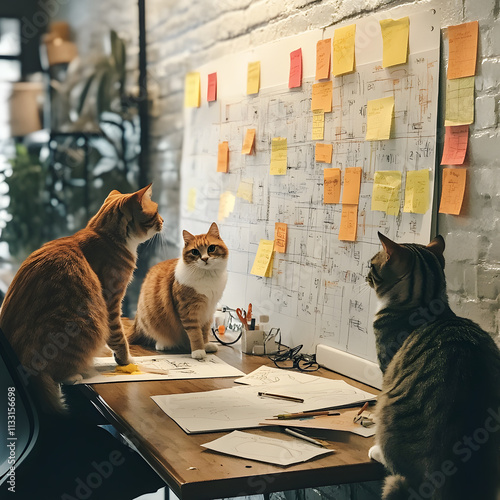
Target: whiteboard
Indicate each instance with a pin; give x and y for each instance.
(317, 293)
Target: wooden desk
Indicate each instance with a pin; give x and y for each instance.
(192, 472)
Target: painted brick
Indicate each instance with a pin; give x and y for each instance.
(479, 9)
(462, 246)
(488, 282)
(485, 116)
(495, 39)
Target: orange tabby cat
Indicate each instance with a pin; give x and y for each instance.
(65, 301)
(179, 296)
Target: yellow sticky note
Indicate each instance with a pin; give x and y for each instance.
(323, 153)
(379, 114)
(245, 190)
(453, 189)
(192, 90)
(226, 204)
(322, 96)
(459, 101)
(278, 156)
(191, 201)
(323, 58)
(348, 223)
(386, 189)
(417, 192)
(223, 157)
(343, 50)
(318, 128)
(253, 78)
(248, 143)
(331, 185)
(280, 237)
(352, 185)
(263, 259)
(395, 39)
(462, 50)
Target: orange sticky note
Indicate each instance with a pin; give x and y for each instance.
(322, 96)
(395, 34)
(453, 189)
(455, 145)
(212, 87)
(463, 50)
(331, 185)
(248, 143)
(295, 78)
(324, 153)
(348, 223)
(223, 157)
(343, 50)
(323, 58)
(352, 185)
(192, 96)
(280, 237)
(253, 78)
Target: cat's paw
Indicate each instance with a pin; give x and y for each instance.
(199, 354)
(210, 347)
(123, 361)
(73, 379)
(375, 453)
(160, 347)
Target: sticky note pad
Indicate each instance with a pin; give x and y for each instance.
(323, 153)
(323, 58)
(352, 185)
(417, 192)
(453, 189)
(322, 96)
(192, 90)
(212, 87)
(278, 156)
(331, 185)
(245, 190)
(295, 77)
(343, 50)
(395, 34)
(386, 189)
(348, 223)
(379, 114)
(249, 141)
(253, 78)
(280, 237)
(263, 259)
(459, 101)
(191, 201)
(226, 204)
(223, 157)
(462, 50)
(455, 145)
(318, 125)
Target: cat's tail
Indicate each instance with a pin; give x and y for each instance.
(395, 488)
(134, 334)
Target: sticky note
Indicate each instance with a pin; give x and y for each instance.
(212, 87)
(323, 58)
(455, 145)
(245, 190)
(323, 153)
(343, 50)
(459, 101)
(191, 201)
(226, 204)
(253, 78)
(280, 237)
(322, 96)
(462, 50)
(249, 141)
(331, 185)
(453, 189)
(318, 126)
(192, 90)
(352, 185)
(295, 77)
(395, 41)
(263, 259)
(348, 223)
(385, 193)
(278, 156)
(223, 157)
(379, 114)
(417, 192)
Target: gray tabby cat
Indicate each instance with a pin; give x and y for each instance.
(439, 409)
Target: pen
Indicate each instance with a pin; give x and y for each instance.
(305, 414)
(305, 438)
(280, 396)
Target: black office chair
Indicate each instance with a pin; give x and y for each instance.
(56, 457)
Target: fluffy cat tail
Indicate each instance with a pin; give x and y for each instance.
(395, 488)
(49, 395)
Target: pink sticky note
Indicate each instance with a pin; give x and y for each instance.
(295, 79)
(455, 145)
(212, 87)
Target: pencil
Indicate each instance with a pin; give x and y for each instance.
(280, 396)
(305, 438)
(365, 406)
(305, 414)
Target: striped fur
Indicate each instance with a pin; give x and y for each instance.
(64, 303)
(439, 410)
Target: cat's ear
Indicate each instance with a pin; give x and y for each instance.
(436, 246)
(144, 194)
(393, 249)
(187, 237)
(214, 230)
(112, 194)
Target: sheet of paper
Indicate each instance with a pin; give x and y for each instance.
(323, 153)
(226, 205)
(352, 184)
(295, 77)
(265, 449)
(249, 142)
(191, 201)
(343, 50)
(279, 151)
(459, 102)
(452, 190)
(386, 191)
(192, 90)
(455, 145)
(212, 87)
(223, 157)
(264, 375)
(331, 185)
(323, 58)
(245, 190)
(462, 41)
(395, 34)
(253, 78)
(280, 237)
(348, 223)
(379, 113)
(318, 125)
(263, 258)
(417, 192)
(322, 96)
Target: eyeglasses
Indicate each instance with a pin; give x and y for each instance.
(290, 359)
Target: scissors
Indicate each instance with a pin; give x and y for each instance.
(244, 316)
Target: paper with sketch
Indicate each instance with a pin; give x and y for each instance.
(265, 449)
(269, 375)
(173, 366)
